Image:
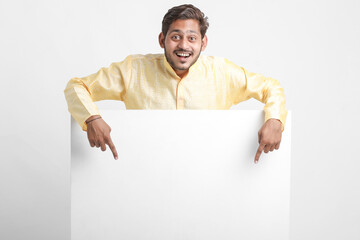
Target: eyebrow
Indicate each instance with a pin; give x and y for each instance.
(188, 31)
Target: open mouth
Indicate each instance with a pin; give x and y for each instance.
(183, 55)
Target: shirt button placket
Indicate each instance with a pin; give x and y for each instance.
(179, 96)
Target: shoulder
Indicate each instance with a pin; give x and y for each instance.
(219, 63)
(137, 60)
(211, 60)
(216, 62)
(223, 66)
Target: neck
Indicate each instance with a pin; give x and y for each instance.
(181, 73)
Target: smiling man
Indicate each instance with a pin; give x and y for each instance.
(183, 43)
(178, 79)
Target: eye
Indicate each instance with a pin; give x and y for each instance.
(192, 38)
(175, 37)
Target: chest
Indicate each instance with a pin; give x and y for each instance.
(161, 91)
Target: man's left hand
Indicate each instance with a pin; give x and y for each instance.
(269, 137)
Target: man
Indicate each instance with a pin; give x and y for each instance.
(178, 79)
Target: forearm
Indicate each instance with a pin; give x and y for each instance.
(268, 91)
(106, 84)
(274, 100)
(80, 103)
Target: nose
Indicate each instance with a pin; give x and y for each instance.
(183, 44)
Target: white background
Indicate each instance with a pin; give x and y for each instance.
(311, 47)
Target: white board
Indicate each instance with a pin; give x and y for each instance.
(180, 175)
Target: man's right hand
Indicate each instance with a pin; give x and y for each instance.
(98, 133)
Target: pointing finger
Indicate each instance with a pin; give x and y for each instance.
(112, 148)
(258, 152)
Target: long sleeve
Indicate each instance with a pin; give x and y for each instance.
(107, 84)
(265, 89)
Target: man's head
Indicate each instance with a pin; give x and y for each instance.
(183, 36)
(186, 11)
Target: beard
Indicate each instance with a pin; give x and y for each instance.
(181, 67)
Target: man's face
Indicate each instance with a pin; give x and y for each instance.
(183, 44)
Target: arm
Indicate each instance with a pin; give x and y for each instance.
(81, 93)
(107, 84)
(267, 90)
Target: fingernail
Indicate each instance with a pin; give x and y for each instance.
(116, 158)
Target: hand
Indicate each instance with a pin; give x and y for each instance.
(269, 137)
(98, 133)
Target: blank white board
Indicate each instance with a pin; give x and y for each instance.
(180, 175)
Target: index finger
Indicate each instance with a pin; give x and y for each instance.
(112, 148)
(258, 152)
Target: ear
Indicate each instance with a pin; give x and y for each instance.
(162, 40)
(204, 42)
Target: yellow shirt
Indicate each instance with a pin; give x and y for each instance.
(149, 82)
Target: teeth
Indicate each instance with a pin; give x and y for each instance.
(183, 54)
